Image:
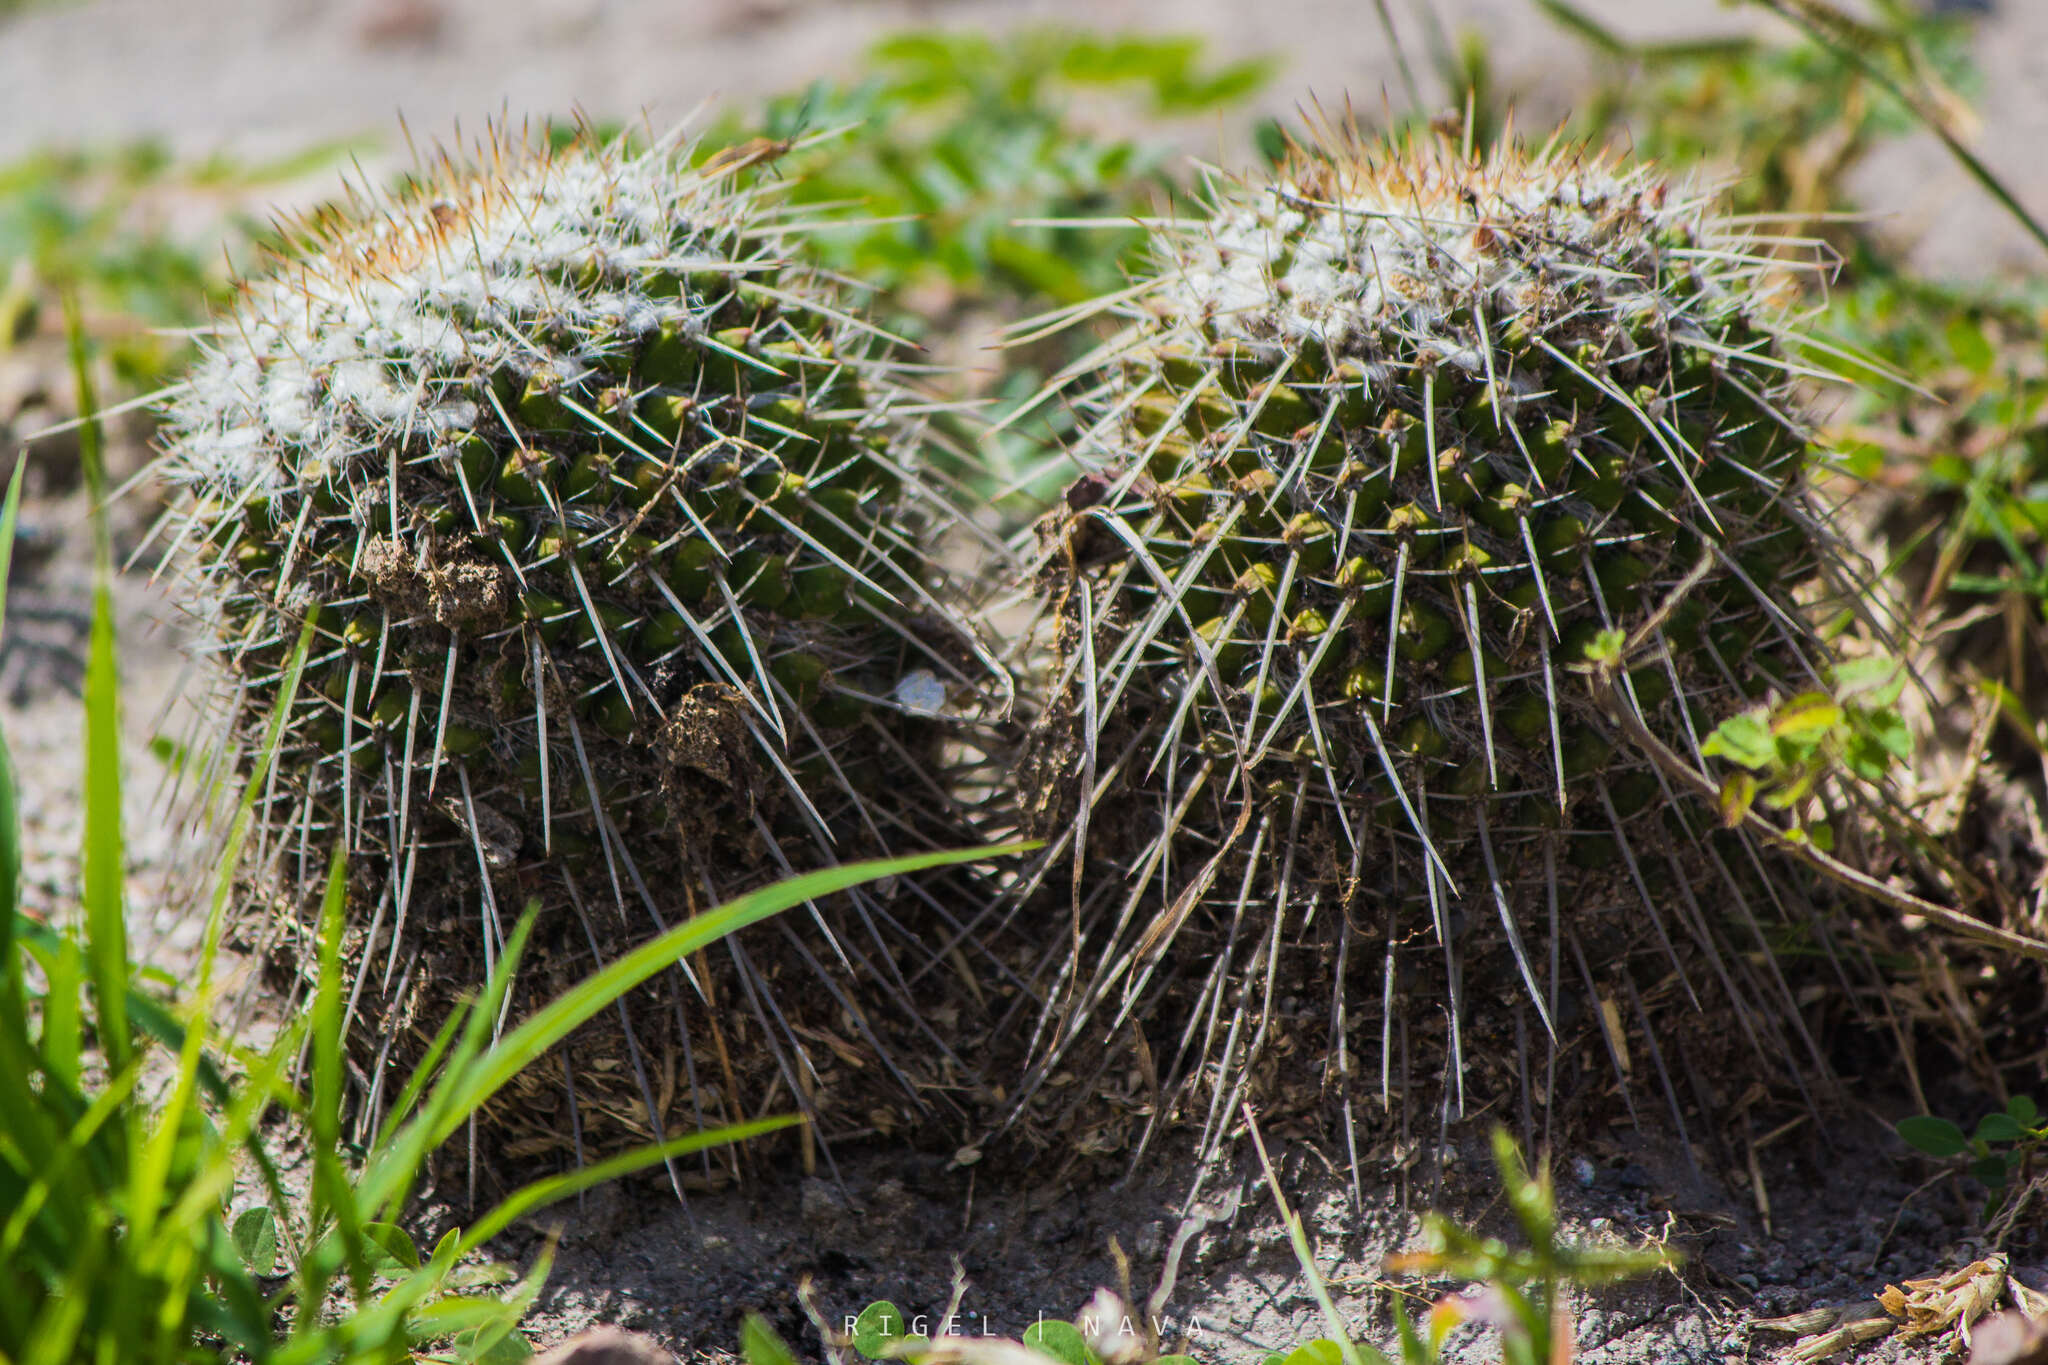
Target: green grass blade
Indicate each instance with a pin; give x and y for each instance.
(1585, 27)
(105, 928)
(91, 438)
(575, 1006)
(358, 1334)
(333, 1197)
(103, 872)
(402, 1159)
(229, 863)
(13, 988)
(423, 1073)
(55, 1337)
(149, 1015)
(58, 1167)
(63, 1041)
(13, 992)
(541, 1193)
(466, 1086)
(10, 516)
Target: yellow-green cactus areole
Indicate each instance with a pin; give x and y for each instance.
(1389, 439)
(623, 560)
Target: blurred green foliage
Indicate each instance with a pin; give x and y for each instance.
(100, 225)
(1946, 412)
(963, 144)
(1963, 447)
(1791, 118)
(984, 179)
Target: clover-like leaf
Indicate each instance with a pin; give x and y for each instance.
(1060, 1340)
(880, 1323)
(255, 1234)
(392, 1251)
(1999, 1126)
(1934, 1136)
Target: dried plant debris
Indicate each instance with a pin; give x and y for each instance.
(624, 563)
(1391, 444)
(1946, 1306)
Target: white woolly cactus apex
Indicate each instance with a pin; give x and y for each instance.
(1390, 439)
(624, 567)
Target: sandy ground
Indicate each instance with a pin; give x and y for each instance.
(269, 78)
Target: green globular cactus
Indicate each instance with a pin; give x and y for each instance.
(1389, 441)
(627, 600)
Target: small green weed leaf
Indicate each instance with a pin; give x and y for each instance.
(1806, 718)
(760, 1345)
(1174, 1360)
(1743, 739)
(1936, 1137)
(391, 1248)
(1060, 1340)
(2023, 1109)
(1321, 1351)
(879, 1324)
(1823, 835)
(1873, 673)
(255, 1234)
(1867, 758)
(1738, 794)
(1529, 1196)
(1603, 648)
(1889, 729)
(2000, 1127)
(1990, 1170)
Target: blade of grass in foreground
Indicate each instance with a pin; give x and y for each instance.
(470, 1086)
(13, 991)
(102, 873)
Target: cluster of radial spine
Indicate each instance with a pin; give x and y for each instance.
(622, 549)
(620, 536)
(1386, 444)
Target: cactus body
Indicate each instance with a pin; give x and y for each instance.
(620, 557)
(1387, 444)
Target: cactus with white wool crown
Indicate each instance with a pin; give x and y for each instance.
(1391, 438)
(623, 555)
